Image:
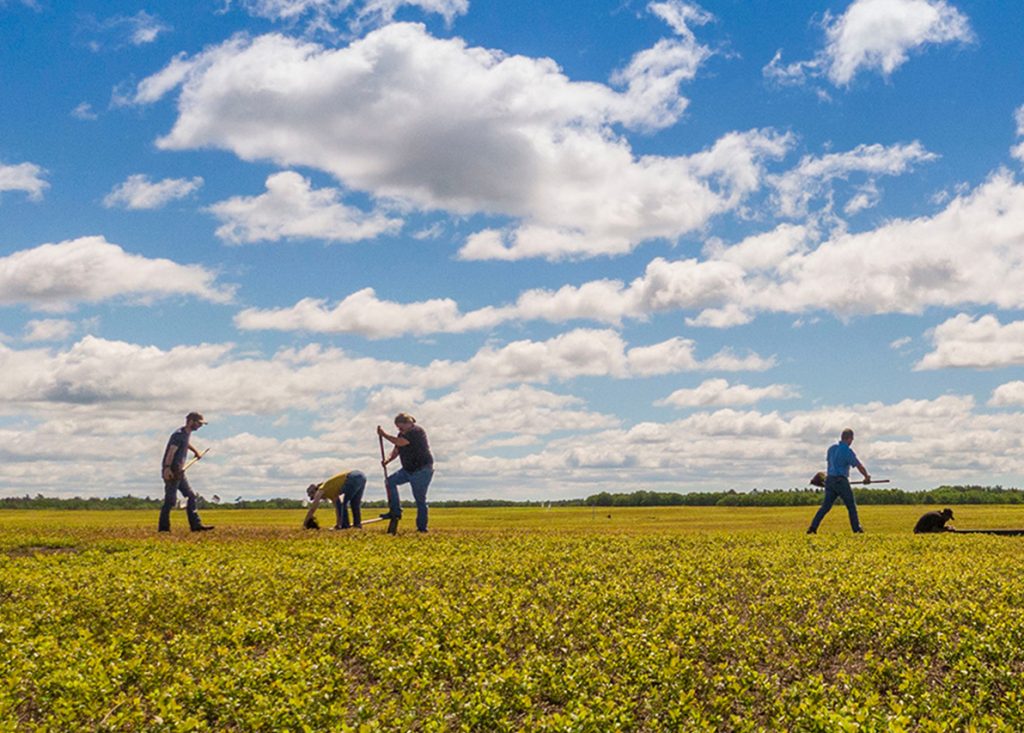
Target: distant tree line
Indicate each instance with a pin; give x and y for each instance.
(943, 495)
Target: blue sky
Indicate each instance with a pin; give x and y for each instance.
(590, 246)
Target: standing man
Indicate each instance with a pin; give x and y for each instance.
(837, 482)
(345, 490)
(412, 448)
(174, 475)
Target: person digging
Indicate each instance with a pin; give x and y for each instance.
(345, 490)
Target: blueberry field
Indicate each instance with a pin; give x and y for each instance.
(524, 619)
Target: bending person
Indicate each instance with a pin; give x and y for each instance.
(346, 491)
(840, 458)
(412, 448)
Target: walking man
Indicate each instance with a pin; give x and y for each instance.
(346, 491)
(837, 482)
(412, 448)
(174, 475)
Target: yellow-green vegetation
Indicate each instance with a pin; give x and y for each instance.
(512, 619)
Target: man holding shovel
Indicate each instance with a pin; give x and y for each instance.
(837, 482)
(174, 475)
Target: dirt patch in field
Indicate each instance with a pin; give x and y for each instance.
(28, 550)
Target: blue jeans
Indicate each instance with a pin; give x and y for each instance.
(351, 496)
(171, 489)
(420, 481)
(837, 487)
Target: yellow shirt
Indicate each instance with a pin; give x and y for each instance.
(332, 486)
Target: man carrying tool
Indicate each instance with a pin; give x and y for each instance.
(173, 472)
(345, 490)
(412, 448)
(840, 458)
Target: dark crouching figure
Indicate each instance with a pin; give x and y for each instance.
(934, 522)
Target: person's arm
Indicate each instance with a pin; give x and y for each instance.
(168, 465)
(393, 456)
(396, 440)
(864, 472)
(313, 505)
(197, 453)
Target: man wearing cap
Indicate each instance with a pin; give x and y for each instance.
(840, 459)
(346, 491)
(173, 470)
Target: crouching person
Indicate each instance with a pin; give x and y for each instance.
(934, 522)
(346, 491)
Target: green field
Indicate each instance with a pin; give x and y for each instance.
(569, 619)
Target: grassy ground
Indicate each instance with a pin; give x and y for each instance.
(512, 619)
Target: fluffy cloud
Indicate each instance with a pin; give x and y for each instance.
(967, 254)
(597, 353)
(91, 269)
(795, 189)
(27, 177)
(876, 35)
(718, 392)
(129, 376)
(365, 314)
(291, 208)
(977, 343)
(48, 329)
(1010, 394)
(138, 192)
(550, 442)
(426, 121)
(879, 34)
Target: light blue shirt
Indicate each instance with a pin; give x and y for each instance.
(840, 458)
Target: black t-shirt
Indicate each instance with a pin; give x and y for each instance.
(930, 522)
(416, 455)
(179, 439)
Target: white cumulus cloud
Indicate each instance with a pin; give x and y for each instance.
(875, 35)
(718, 392)
(91, 269)
(139, 192)
(977, 343)
(27, 177)
(438, 125)
(292, 208)
(48, 329)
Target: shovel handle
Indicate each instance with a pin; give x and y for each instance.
(186, 466)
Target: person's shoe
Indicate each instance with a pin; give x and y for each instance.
(202, 528)
(389, 515)
(357, 526)
(859, 530)
(811, 531)
(164, 529)
(422, 530)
